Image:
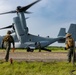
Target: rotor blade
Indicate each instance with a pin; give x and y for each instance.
(27, 12)
(8, 12)
(28, 6)
(6, 27)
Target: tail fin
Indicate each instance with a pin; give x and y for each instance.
(62, 32)
(61, 35)
(72, 30)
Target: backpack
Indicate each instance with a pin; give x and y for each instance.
(8, 38)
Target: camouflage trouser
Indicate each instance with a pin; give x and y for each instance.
(71, 54)
(7, 46)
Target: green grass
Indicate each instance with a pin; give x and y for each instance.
(54, 49)
(36, 68)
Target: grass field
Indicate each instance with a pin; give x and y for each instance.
(54, 49)
(37, 68)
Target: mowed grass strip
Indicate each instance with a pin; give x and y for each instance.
(52, 48)
(36, 68)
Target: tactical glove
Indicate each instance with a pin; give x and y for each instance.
(65, 48)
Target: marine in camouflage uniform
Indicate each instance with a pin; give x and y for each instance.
(70, 45)
(6, 43)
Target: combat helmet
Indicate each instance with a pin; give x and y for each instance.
(9, 32)
(68, 35)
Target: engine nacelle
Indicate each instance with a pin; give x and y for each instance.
(19, 30)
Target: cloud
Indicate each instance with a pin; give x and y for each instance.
(47, 14)
(48, 17)
(3, 6)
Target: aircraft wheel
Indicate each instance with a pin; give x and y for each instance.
(32, 50)
(28, 49)
(39, 50)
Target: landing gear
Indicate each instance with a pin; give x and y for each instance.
(39, 49)
(30, 50)
(46, 49)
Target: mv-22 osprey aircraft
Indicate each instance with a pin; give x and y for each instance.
(25, 39)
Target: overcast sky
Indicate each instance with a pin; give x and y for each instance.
(47, 18)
